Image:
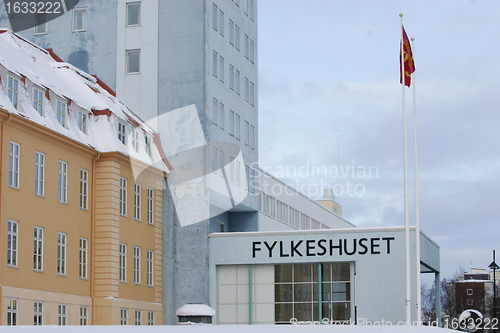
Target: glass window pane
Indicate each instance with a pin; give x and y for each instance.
(134, 14)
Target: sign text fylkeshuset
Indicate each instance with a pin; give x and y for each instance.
(323, 247)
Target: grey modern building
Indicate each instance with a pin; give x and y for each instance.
(199, 58)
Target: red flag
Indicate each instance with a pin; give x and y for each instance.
(408, 59)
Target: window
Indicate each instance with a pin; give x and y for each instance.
(237, 172)
(84, 312)
(247, 133)
(121, 133)
(149, 268)
(215, 159)
(246, 47)
(231, 32)
(61, 113)
(251, 9)
(13, 90)
(12, 227)
(123, 317)
(469, 291)
(215, 105)
(137, 201)
(83, 258)
(237, 82)
(151, 318)
(231, 169)
(14, 155)
(135, 140)
(38, 313)
(221, 115)
(231, 77)
(252, 51)
(221, 162)
(61, 253)
(214, 16)
(237, 127)
(133, 14)
(252, 88)
(150, 205)
(252, 180)
(41, 26)
(245, 10)
(61, 311)
(220, 226)
(221, 69)
(84, 188)
(252, 137)
(148, 144)
(123, 264)
(82, 122)
(237, 2)
(247, 90)
(231, 122)
(38, 101)
(63, 178)
(123, 196)
(214, 63)
(137, 265)
(133, 61)
(12, 312)
(38, 249)
(247, 172)
(470, 302)
(237, 37)
(79, 19)
(221, 22)
(138, 315)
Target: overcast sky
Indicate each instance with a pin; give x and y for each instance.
(328, 65)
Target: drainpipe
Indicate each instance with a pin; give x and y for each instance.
(92, 239)
(1, 186)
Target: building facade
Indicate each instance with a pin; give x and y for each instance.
(81, 198)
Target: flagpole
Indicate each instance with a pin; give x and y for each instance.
(407, 216)
(417, 213)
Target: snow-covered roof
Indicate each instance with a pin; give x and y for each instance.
(59, 81)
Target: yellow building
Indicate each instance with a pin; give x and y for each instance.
(80, 198)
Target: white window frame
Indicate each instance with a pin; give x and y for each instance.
(469, 292)
(62, 314)
(237, 127)
(38, 249)
(84, 315)
(252, 93)
(128, 24)
(12, 311)
(40, 29)
(37, 313)
(247, 173)
(82, 121)
(128, 69)
(252, 9)
(151, 205)
(38, 100)
(238, 166)
(237, 37)
(14, 164)
(13, 90)
(237, 81)
(231, 77)
(61, 113)
(221, 115)
(231, 122)
(123, 262)
(123, 196)
(123, 316)
(84, 19)
(84, 189)
(247, 89)
(247, 46)
(147, 140)
(252, 137)
(61, 253)
(13, 246)
(122, 132)
(221, 226)
(252, 188)
(215, 110)
(135, 139)
(215, 16)
(83, 258)
(221, 68)
(221, 22)
(150, 268)
(137, 265)
(247, 133)
(215, 61)
(137, 201)
(231, 169)
(63, 182)
(470, 301)
(231, 32)
(138, 317)
(151, 318)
